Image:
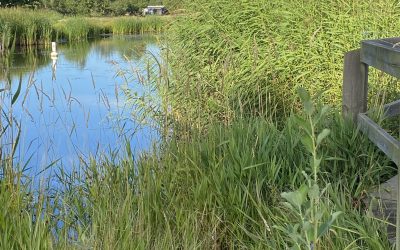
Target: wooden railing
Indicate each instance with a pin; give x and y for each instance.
(383, 54)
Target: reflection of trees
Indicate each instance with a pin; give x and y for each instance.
(76, 53)
(24, 60)
(133, 47)
(21, 61)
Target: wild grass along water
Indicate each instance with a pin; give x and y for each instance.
(29, 27)
(236, 151)
(215, 190)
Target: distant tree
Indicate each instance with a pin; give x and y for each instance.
(92, 7)
(14, 2)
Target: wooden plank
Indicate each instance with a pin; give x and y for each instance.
(382, 204)
(355, 85)
(384, 141)
(392, 109)
(383, 55)
(395, 41)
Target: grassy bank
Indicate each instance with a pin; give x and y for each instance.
(215, 191)
(248, 164)
(27, 27)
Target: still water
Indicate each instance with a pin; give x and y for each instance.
(73, 106)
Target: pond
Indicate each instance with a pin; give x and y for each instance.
(74, 106)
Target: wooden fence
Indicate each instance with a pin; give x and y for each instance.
(382, 54)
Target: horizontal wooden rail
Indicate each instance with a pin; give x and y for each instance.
(385, 142)
(382, 54)
(392, 109)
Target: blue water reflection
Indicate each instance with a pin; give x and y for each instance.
(73, 106)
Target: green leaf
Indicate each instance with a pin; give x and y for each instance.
(308, 229)
(303, 124)
(325, 227)
(307, 142)
(308, 107)
(307, 226)
(288, 205)
(313, 193)
(324, 110)
(15, 96)
(303, 94)
(295, 247)
(296, 198)
(315, 163)
(323, 135)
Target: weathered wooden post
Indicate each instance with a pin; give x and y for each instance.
(355, 85)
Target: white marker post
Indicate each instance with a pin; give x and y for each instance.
(54, 49)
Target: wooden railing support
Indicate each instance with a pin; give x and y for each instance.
(383, 54)
(355, 85)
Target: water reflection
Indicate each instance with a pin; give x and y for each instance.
(72, 105)
(24, 60)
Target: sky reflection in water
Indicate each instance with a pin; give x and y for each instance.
(78, 110)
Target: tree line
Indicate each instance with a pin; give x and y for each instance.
(92, 7)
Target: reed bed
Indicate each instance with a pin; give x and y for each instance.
(241, 142)
(215, 191)
(137, 26)
(27, 27)
(24, 27)
(252, 56)
(219, 189)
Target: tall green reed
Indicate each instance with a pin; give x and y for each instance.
(211, 189)
(221, 190)
(27, 27)
(246, 55)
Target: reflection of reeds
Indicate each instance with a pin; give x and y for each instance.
(20, 61)
(26, 27)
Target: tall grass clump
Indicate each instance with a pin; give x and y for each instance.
(26, 27)
(221, 190)
(252, 55)
(75, 28)
(128, 25)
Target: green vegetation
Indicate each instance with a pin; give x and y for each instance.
(27, 59)
(249, 164)
(24, 27)
(92, 7)
(213, 191)
(28, 27)
(251, 56)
